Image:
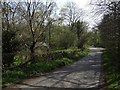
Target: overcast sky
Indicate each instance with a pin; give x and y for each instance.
(85, 5)
(80, 3)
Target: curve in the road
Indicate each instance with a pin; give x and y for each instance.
(84, 73)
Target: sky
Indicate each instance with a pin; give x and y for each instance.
(80, 3)
(89, 16)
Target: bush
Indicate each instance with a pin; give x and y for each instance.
(111, 72)
(58, 54)
(10, 46)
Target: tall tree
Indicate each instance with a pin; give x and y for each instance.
(10, 43)
(35, 16)
(81, 31)
(110, 33)
(71, 13)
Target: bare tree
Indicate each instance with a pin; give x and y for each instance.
(71, 13)
(10, 44)
(36, 15)
(9, 15)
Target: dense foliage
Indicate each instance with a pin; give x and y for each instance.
(31, 29)
(111, 74)
(10, 47)
(110, 36)
(94, 38)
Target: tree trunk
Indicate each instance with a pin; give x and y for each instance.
(32, 52)
(49, 37)
(80, 43)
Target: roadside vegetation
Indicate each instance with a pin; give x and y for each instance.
(109, 29)
(42, 66)
(111, 72)
(36, 40)
(37, 37)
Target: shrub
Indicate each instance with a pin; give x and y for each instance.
(10, 46)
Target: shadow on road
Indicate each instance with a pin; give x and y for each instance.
(82, 75)
(52, 88)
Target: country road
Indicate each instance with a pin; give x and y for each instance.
(84, 73)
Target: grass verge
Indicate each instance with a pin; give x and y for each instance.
(110, 72)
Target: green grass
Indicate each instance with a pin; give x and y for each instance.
(41, 66)
(64, 50)
(111, 72)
